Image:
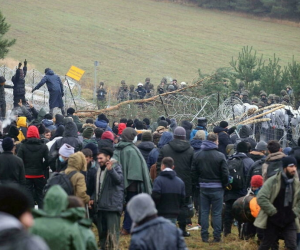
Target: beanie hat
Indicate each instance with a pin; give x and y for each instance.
(288, 161)
(103, 117)
(163, 123)
(41, 128)
(128, 134)
(180, 132)
(13, 200)
(92, 147)
(287, 150)
(33, 132)
(89, 120)
(70, 111)
(106, 151)
(48, 117)
(261, 146)
(147, 121)
(87, 133)
(202, 121)
(2, 79)
(223, 124)
(13, 132)
(140, 207)
(147, 136)
(242, 147)
(121, 127)
(108, 135)
(200, 135)
(66, 150)
(256, 181)
(7, 144)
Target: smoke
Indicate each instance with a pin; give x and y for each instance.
(8, 120)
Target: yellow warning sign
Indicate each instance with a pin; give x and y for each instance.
(75, 73)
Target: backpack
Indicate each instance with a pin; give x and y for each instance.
(62, 180)
(257, 168)
(273, 168)
(236, 171)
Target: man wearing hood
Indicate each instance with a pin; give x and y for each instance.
(16, 219)
(19, 84)
(146, 144)
(182, 153)
(223, 136)
(34, 154)
(188, 128)
(57, 225)
(70, 113)
(135, 171)
(48, 122)
(55, 88)
(211, 172)
(103, 123)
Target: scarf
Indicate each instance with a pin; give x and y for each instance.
(288, 197)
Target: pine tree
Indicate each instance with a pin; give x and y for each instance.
(4, 43)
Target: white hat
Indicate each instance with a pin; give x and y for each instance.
(183, 83)
(140, 84)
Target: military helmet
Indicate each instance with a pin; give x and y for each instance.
(271, 97)
(244, 93)
(241, 84)
(183, 83)
(140, 84)
(123, 82)
(276, 98)
(131, 86)
(147, 79)
(171, 87)
(263, 93)
(261, 104)
(125, 86)
(289, 86)
(255, 99)
(101, 83)
(283, 92)
(286, 98)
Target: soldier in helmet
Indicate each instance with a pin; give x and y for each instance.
(270, 100)
(182, 85)
(150, 91)
(121, 89)
(161, 88)
(147, 84)
(245, 98)
(170, 88)
(174, 82)
(237, 94)
(282, 94)
(242, 86)
(101, 98)
(132, 94)
(255, 101)
(141, 91)
(276, 99)
(263, 97)
(290, 93)
(123, 93)
(286, 98)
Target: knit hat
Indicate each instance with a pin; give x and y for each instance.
(223, 124)
(128, 134)
(140, 207)
(7, 144)
(48, 117)
(257, 181)
(287, 150)
(242, 147)
(13, 200)
(33, 132)
(200, 135)
(163, 123)
(103, 117)
(147, 121)
(13, 132)
(41, 128)
(121, 127)
(70, 111)
(288, 161)
(106, 151)
(92, 147)
(66, 150)
(2, 79)
(87, 133)
(89, 120)
(180, 132)
(147, 136)
(261, 146)
(108, 135)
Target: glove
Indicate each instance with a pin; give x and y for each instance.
(62, 94)
(34, 89)
(25, 63)
(20, 64)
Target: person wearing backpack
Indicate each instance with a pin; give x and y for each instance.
(238, 165)
(273, 162)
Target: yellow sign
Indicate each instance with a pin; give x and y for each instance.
(75, 73)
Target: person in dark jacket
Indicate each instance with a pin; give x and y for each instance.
(16, 218)
(59, 120)
(295, 152)
(231, 195)
(196, 142)
(2, 97)
(259, 152)
(55, 88)
(108, 198)
(34, 154)
(210, 171)
(202, 123)
(103, 123)
(244, 133)
(146, 144)
(182, 153)
(11, 166)
(70, 136)
(223, 136)
(98, 133)
(70, 113)
(107, 140)
(168, 191)
(151, 232)
(188, 128)
(19, 84)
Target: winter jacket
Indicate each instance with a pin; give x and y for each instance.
(267, 195)
(103, 124)
(145, 147)
(11, 168)
(134, 167)
(295, 152)
(77, 162)
(55, 224)
(34, 154)
(85, 125)
(49, 124)
(256, 169)
(188, 128)
(105, 143)
(109, 195)
(272, 158)
(256, 155)
(59, 121)
(157, 234)
(19, 82)
(87, 141)
(35, 117)
(210, 167)
(152, 157)
(76, 121)
(195, 130)
(168, 194)
(196, 145)
(2, 92)
(182, 154)
(91, 177)
(244, 133)
(13, 236)
(55, 88)
(224, 138)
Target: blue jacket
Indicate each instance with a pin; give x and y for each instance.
(49, 124)
(195, 130)
(103, 124)
(157, 234)
(196, 144)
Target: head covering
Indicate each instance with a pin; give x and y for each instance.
(261, 146)
(165, 139)
(128, 134)
(147, 121)
(88, 132)
(2, 79)
(242, 147)
(288, 161)
(202, 121)
(103, 117)
(200, 135)
(140, 207)
(59, 131)
(156, 138)
(70, 111)
(41, 128)
(139, 125)
(92, 147)
(147, 136)
(121, 127)
(257, 181)
(287, 150)
(13, 200)
(7, 144)
(89, 120)
(180, 132)
(106, 151)
(108, 135)
(13, 132)
(33, 132)
(77, 161)
(163, 123)
(223, 124)
(66, 150)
